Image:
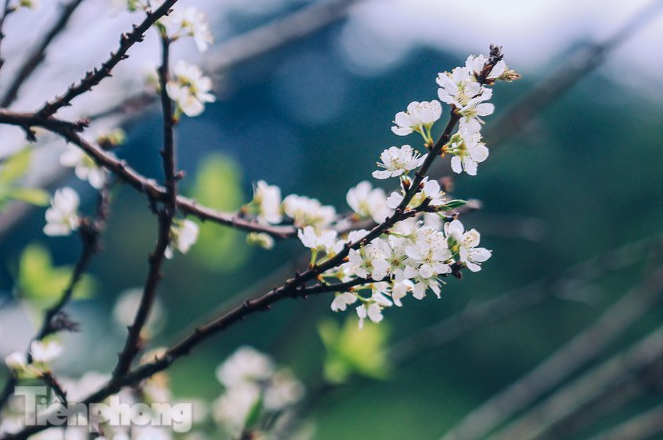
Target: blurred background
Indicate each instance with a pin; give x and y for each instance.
(306, 92)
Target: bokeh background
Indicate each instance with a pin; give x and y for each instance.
(574, 174)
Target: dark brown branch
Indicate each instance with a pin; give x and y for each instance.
(124, 172)
(94, 77)
(292, 288)
(89, 232)
(38, 54)
(165, 214)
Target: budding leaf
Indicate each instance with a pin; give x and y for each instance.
(41, 282)
(452, 204)
(351, 351)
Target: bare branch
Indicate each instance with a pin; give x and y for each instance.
(35, 58)
(165, 214)
(95, 76)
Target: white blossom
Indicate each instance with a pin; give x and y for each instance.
(368, 202)
(190, 89)
(62, 217)
(397, 161)
(370, 260)
(372, 309)
(474, 109)
(245, 365)
(268, 200)
(468, 151)
(458, 87)
(284, 391)
(308, 212)
(84, 166)
(418, 117)
(464, 244)
(45, 351)
(342, 300)
(191, 22)
(323, 241)
(183, 235)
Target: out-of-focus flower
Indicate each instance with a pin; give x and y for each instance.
(62, 217)
(368, 201)
(84, 166)
(45, 351)
(267, 198)
(191, 22)
(308, 212)
(190, 89)
(183, 235)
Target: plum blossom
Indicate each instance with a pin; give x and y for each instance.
(319, 241)
(183, 235)
(370, 260)
(191, 22)
(372, 308)
(84, 166)
(190, 89)
(397, 161)
(45, 351)
(468, 151)
(62, 217)
(308, 212)
(418, 117)
(458, 87)
(342, 300)
(368, 202)
(475, 108)
(464, 244)
(268, 200)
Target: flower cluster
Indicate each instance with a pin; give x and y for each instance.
(254, 389)
(36, 364)
(416, 243)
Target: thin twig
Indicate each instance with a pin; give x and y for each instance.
(165, 215)
(37, 55)
(292, 288)
(124, 172)
(89, 233)
(94, 77)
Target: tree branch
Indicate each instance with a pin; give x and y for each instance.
(165, 214)
(38, 54)
(94, 77)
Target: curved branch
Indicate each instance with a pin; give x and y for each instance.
(94, 77)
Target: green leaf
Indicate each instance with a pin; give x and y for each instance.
(33, 196)
(218, 185)
(15, 166)
(452, 204)
(40, 282)
(351, 351)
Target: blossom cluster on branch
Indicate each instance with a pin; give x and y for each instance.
(395, 243)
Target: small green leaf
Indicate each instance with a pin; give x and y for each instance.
(452, 204)
(39, 281)
(354, 351)
(33, 196)
(15, 166)
(218, 185)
